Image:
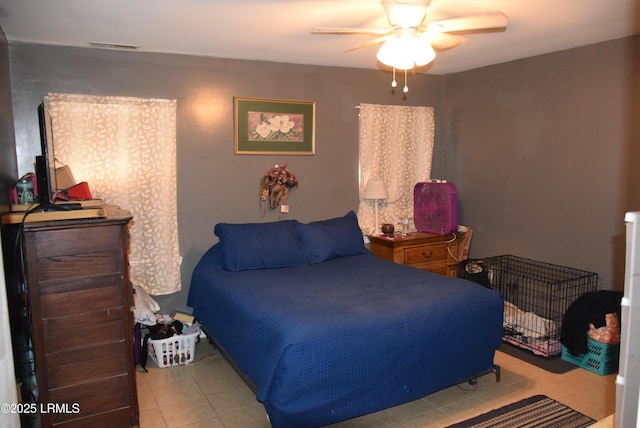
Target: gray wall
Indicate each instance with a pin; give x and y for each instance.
(214, 185)
(544, 152)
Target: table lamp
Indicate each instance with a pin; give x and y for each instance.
(375, 190)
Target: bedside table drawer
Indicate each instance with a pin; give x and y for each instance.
(435, 253)
(439, 268)
(429, 253)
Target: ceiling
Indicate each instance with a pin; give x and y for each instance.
(280, 30)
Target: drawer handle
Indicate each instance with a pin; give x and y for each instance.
(427, 256)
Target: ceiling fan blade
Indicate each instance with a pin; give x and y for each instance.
(443, 41)
(375, 31)
(488, 21)
(368, 43)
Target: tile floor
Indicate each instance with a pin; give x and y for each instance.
(208, 393)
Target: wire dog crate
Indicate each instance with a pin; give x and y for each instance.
(537, 295)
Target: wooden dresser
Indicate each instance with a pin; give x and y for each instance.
(435, 253)
(82, 326)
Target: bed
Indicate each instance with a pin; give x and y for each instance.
(324, 331)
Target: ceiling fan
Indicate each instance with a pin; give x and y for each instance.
(411, 39)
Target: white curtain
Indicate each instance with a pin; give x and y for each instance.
(396, 146)
(125, 149)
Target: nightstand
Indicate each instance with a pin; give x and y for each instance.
(436, 253)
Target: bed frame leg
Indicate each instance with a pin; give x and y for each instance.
(473, 381)
(206, 333)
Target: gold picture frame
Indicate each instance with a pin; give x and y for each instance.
(274, 127)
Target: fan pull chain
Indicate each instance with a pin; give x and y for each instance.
(394, 83)
(406, 86)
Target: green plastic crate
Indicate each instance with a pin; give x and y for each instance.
(601, 358)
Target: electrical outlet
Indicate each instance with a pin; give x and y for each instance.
(284, 209)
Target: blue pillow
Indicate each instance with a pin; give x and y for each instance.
(329, 239)
(260, 245)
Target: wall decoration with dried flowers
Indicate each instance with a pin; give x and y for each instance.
(275, 187)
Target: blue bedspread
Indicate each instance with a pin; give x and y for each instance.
(331, 341)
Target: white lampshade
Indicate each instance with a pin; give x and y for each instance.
(406, 13)
(394, 54)
(406, 50)
(375, 189)
(423, 53)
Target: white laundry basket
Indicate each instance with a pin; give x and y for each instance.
(173, 351)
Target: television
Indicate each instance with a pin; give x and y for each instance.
(45, 163)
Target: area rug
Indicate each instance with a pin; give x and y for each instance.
(553, 364)
(538, 411)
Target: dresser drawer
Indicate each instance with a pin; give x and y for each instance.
(87, 364)
(425, 254)
(93, 398)
(79, 336)
(72, 266)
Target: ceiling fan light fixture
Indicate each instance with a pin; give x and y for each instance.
(406, 51)
(406, 13)
(395, 53)
(423, 53)
(406, 44)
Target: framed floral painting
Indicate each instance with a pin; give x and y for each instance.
(273, 127)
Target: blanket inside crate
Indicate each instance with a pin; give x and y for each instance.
(528, 324)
